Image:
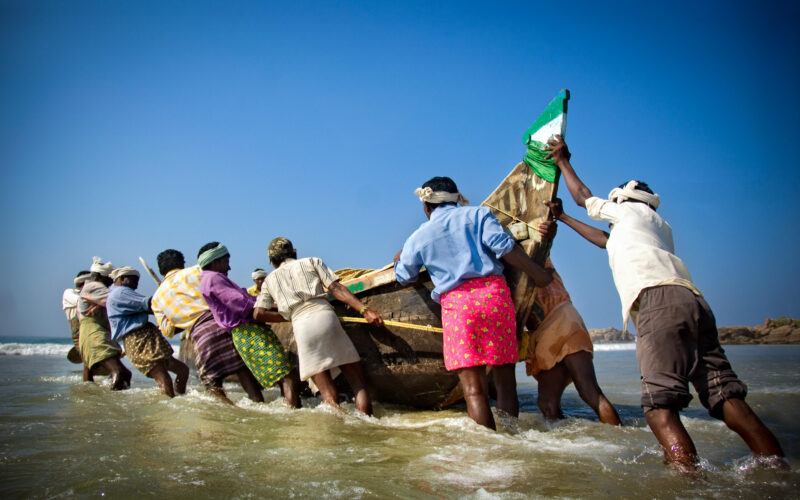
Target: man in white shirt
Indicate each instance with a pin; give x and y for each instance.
(677, 339)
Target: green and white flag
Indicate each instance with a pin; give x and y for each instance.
(552, 121)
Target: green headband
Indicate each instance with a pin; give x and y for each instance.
(211, 255)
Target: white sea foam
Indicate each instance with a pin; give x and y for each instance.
(17, 349)
(453, 465)
(627, 346)
(63, 379)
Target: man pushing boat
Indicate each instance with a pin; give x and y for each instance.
(677, 340)
(462, 248)
(145, 346)
(178, 304)
(232, 307)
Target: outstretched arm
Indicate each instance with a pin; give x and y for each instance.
(560, 154)
(343, 294)
(262, 315)
(592, 234)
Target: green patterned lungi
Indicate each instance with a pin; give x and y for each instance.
(262, 352)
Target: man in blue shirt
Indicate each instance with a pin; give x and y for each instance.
(461, 248)
(145, 346)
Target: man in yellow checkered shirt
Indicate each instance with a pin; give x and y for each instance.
(178, 302)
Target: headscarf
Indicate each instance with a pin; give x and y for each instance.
(431, 196)
(260, 274)
(211, 255)
(629, 192)
(100, 268)
(81, 279)
(279, 246)
(124, 271)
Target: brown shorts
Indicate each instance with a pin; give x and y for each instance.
(146, 347)
(676, 344)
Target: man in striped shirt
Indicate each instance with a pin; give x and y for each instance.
(297, 288)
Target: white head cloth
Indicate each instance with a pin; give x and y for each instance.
(431, 196)
(100, 268)
(258, 275)
(123, 271)
(629, 192)
(79, 280)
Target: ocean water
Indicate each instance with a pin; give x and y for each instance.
(62, 437)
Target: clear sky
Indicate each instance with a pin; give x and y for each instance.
(130, 127)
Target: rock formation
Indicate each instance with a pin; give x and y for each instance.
(773, 331)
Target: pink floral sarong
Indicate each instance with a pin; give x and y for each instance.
(479, 324)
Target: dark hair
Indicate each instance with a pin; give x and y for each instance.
(257, 269)
(81, 272)
(106, 280)
(641, 186)
(170, 259)
(441, 184)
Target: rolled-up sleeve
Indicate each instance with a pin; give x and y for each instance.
(600, 209)
(325, 273)
(265, 300)
(493, 236)
(406, 270)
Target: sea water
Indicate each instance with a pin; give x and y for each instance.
(62, 437)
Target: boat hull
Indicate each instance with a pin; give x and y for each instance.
(403, 364)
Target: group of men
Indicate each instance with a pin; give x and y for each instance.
(677, 340)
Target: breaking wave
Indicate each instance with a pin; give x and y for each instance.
(19, 349)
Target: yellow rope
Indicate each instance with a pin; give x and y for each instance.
(427, 328)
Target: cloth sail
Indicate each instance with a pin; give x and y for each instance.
(552, 121)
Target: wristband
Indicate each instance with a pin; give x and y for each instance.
(363, 310)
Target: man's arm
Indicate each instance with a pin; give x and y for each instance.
(592, 234)
(519, 259)
(266, 316)
(343, 294)
(560, 154)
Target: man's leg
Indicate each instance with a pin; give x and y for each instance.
(181, 372)
(216, 390)
(327, 390)
(722, 392)
(160, 374)
(88, 376)
(679, 450)
(474, 383)
(740, 418)
(551, 386)
(120, 376)
(290, 389)
(355, 377)
(581, 368)
(250, 385)
(505, 380)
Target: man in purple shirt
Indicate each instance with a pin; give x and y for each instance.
(232, 308)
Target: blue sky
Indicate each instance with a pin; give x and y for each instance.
(127, 128)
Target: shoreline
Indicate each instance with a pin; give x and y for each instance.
(728, 335)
